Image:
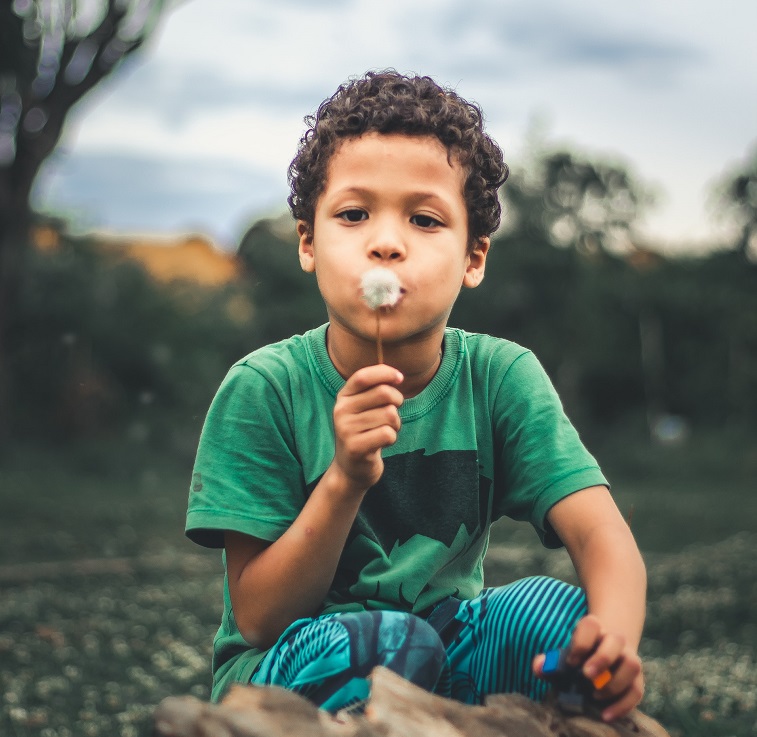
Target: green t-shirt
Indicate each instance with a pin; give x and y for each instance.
(487, 437)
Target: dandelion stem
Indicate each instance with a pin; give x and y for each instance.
(379, 346)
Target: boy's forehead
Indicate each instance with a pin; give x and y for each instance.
(388, 143)
(426, 155)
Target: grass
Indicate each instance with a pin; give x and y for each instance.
(105, 609)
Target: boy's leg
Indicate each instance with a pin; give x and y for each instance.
(494, 637)
(329, 658)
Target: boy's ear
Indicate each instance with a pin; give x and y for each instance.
(474, 273)
(305, 248)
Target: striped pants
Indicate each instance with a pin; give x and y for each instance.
(463, 649)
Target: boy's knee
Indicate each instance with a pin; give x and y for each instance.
(412, 648)
(539, 604)
(408, 628)
(354, 643)
(402, 642)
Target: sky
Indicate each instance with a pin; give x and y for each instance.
(195, 133)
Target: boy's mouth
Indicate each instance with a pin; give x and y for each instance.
(381, 288)
(388, 309)
(400, 297)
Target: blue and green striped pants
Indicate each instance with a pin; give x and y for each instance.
(463, 649)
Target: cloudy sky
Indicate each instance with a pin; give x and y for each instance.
(195, 134)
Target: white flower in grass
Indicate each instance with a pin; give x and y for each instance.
(381, 288)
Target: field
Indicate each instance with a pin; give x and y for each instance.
(105, 609)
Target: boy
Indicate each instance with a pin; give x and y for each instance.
(353, 499)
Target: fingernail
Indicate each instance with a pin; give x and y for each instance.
(590, 671)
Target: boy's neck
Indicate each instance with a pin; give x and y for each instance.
(418, 361)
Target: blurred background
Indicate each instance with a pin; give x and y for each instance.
(145, 246)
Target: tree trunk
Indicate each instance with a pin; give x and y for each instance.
(14, 234)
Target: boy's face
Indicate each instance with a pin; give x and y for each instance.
(395, 201)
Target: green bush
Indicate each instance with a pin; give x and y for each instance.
(96, 345)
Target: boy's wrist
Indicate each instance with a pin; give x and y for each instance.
(337, 484)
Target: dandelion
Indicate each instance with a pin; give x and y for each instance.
(381, 289)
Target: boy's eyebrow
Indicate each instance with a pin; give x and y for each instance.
(362, 191)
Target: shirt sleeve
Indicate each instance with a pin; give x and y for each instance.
(247, 475)
(541, 458)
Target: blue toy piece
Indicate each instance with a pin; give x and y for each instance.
(574, 692)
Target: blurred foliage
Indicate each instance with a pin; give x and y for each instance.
(96, 346)
(287, 299)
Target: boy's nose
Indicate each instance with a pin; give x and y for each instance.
(387, 245)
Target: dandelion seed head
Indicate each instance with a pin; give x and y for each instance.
(380, 287)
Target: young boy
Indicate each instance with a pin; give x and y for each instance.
(354, 499)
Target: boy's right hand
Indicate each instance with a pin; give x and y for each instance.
(366, 419)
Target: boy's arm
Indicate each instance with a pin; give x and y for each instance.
(273, 584)
(612, 573)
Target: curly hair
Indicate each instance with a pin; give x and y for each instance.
(389, 102)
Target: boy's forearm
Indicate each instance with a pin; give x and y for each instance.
(606, 558)
(290, 578)
(612, 573)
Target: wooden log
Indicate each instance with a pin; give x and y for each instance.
(407, 710)
(252, 711)
(396, 708)
(394, 700)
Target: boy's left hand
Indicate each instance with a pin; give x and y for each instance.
(598, 652)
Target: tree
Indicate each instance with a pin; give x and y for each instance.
(590, 205)
(52, 53)
(738, 193)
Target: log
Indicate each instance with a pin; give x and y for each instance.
(396, 702)
(396, 708)
(254, 711)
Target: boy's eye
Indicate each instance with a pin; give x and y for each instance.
(353, 216)
(424, 221)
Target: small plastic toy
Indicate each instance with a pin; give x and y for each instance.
(573, 690)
